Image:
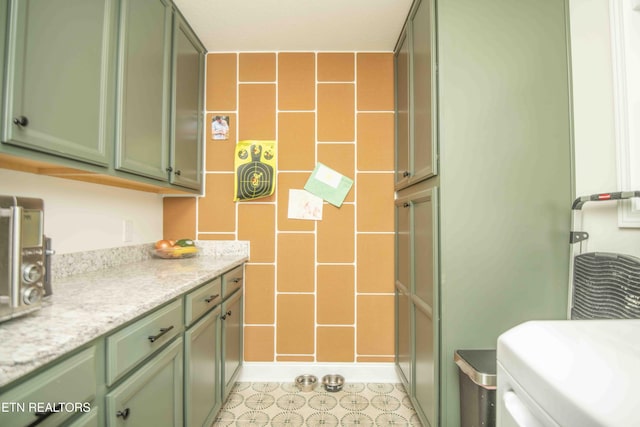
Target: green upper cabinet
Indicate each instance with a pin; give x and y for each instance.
(144, 88)
(416, 138)
(423, 150)
(113, 88)
(4, 6)
(187, 111)
(402, 112)
(59, 81)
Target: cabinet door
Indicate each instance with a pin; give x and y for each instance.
(142, 144)
(232, 341)
(152, 396)
(423, 144)
(186, 146)
(424, 243)
(201, 373)
(403, 242)
(402, 286)
(424, 363)
(403, 336)
(416, 279)
(59, 79)
(424, 230)
(402, 113)
(73, 380)
(4, 7)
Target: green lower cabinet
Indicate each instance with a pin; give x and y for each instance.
(416, 273)
(53, 396)
(90, 419)
(201, 371)
(181, 377)
(152, 396)
(232, 341)
(403, 336)
(424, 365)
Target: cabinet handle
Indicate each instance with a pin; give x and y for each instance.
(405, 174)
(169, 169)
(124, 414)
(44, 415)
(236, 280)
(154, 338)
(178, 172)
(405, 205)
(227, 314)
(21, 121)
(211, 298)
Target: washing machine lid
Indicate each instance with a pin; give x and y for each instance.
(580, 372)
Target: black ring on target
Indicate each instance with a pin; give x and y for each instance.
(254, 180)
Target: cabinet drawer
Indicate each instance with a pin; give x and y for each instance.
(232, 281)
(87, 420)
(199, 301)
(129, 346)
(72, 382)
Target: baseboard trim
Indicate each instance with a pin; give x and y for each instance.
(288, 371)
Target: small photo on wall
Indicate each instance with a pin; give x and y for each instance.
(220, 127)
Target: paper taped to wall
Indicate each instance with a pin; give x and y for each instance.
(330, 185)
(304, 205)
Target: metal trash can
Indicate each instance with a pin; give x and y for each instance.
(477, 373)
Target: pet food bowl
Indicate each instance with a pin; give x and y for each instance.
(306, 382)
(333, 382)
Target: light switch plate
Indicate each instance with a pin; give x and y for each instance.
(127, 230)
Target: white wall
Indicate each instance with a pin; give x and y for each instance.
(82, 216)
(595, 150)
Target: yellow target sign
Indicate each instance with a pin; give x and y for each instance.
(255, 169)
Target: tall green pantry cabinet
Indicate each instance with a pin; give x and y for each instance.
(483, 183)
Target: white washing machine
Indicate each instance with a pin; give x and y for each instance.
(569, 373)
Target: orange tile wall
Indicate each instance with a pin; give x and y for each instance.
(314, 291)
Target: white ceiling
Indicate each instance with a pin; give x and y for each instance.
(296, 25)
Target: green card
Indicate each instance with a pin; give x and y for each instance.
(330, 185)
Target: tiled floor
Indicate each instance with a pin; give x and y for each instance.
(282, 404)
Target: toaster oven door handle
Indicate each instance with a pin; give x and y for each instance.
(14, 241)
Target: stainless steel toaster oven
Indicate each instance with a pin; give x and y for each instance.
(23, 256)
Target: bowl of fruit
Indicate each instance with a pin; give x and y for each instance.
(175, 249)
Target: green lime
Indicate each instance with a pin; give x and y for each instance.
(184, 243)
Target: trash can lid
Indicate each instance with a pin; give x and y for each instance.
(479, 365)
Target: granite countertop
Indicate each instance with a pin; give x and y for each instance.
(86, 306)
